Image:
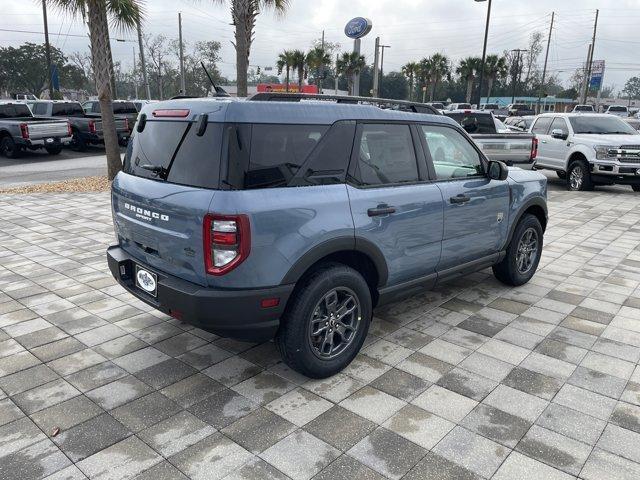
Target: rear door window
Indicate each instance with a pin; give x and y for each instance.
(384, 154)
(541, 127)
(67, 110)
(475, 122)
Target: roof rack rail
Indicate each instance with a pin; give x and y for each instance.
(385, 103)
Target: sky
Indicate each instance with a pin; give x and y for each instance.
(412, 28)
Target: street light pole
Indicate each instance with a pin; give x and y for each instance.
(382, 47)
(484, 52)
(47, 48)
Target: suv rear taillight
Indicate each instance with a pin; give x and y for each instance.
(534, 148)
(227, 242)
(69, 130)
(24, 130)
(92, 126)
(126, 124)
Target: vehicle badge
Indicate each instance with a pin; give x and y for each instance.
(500, 217)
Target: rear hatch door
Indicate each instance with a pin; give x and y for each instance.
(159, 216)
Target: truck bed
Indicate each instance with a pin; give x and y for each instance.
(511, 148)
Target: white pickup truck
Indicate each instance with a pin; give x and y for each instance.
(588, 149)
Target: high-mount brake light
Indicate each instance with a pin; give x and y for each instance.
(24, 130)
(168, 113)
(227, 242)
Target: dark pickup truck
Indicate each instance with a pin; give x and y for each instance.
(20, 131)
(496, 140)
(121, 108)
(86, 129)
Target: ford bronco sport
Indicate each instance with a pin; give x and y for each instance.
(256, 220)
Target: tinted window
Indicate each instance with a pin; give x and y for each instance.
(40, 109)
(600, 124)
(124, 107)
(559, 124)
(327, 164)
(475, 122)
(451, 153)
(14, 110)
(197, 162)
(67, 110)
(385, 155)
(542, 125)
(617, 109)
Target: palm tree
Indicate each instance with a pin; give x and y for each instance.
(424, 74)
(467, 69)
(494, 68)
(285, 62)
(438, 68)
(410, 70)
(350, 64)
(317, 60)
(125, 15)
(243, 18)
(299, 59)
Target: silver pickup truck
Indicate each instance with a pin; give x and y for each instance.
(20, 131)
(496, 140)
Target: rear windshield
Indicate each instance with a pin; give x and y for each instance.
(67, 110)
(259, 155)
(617, 109)
(491, 106)
(124, 107)
(475, 122)
(520, 106)
(190, 159)
(14, 110)
(584, 108)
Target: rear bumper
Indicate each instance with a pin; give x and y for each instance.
(43, 142)
(228, 313)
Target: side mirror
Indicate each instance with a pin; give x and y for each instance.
(557, 133)
(498, 170)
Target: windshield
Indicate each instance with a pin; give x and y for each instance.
(600, 125)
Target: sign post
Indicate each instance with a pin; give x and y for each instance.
(356, 28)
(596, 80)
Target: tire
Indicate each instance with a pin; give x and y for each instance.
(78, 143)
(53, 150)
(8, 148)
(509, 270)
(636, 188)
(561, 174)
(312, 299)
(578, 176)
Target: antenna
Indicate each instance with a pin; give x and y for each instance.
(220, 92)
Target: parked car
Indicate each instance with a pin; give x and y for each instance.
(617, 110)
(437, 105)
(20, 131)
(589, 149)
(520, 124)
(496, 140)
(258, 219)
(520, 110)
(495, 109)
(121, 108)
(583, 108)
(458, 106)
(86, 129)
(634, 122)
(141, 103)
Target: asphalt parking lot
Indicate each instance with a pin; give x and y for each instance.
(473, 380)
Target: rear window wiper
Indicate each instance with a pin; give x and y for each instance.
(156, 169)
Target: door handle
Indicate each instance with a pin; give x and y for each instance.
(382, 209)
(460, 198)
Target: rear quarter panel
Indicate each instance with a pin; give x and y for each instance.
(285, 224)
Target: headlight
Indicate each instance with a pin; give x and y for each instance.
(603, 151)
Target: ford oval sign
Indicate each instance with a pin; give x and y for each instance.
(357, 27)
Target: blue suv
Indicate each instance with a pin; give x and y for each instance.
(260, 220)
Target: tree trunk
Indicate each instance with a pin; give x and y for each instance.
(433, 90)
(286, 79)
(300, 77)
(469, 88)
(99, 36)
(489, 87)
(244, 20)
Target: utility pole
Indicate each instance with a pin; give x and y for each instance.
(336, 76)
(546, 58)
(516, 72)
(321, 77)
(593, 47)
(382, 47)
(143, 64)
(484, 55)
(585, 81)
(135, 77)
(182, 82)
(374, 93)
(47, 48)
